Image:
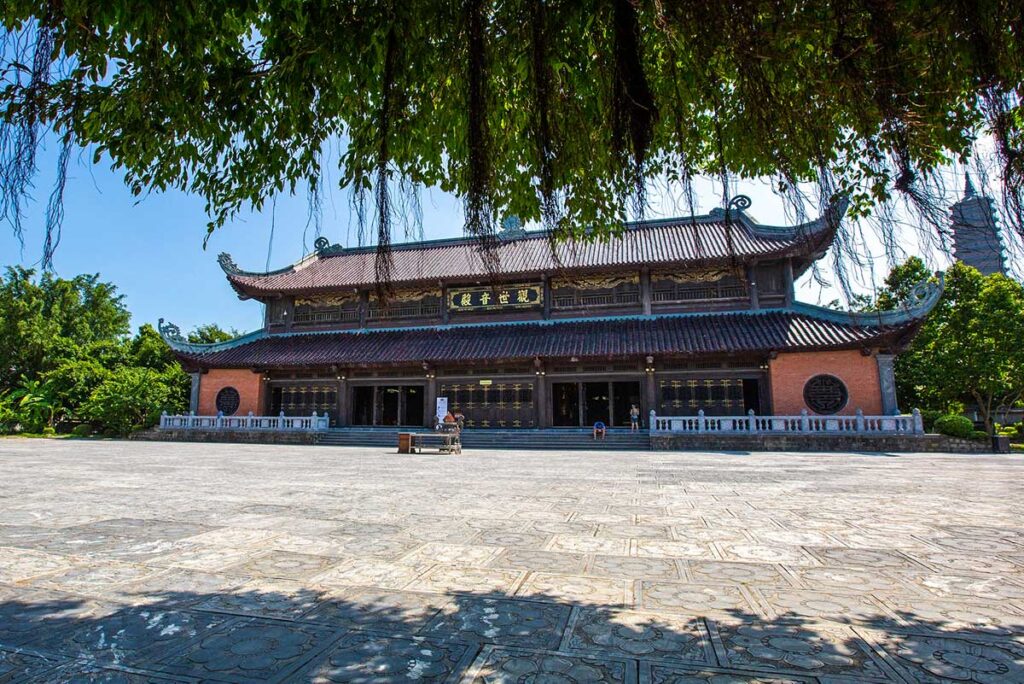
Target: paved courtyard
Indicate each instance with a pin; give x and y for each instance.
(128, 562)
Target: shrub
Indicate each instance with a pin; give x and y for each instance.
(928, 418)
(83, 430)
(980, 435)
(49, 431)
(130, 399)
(955, 426)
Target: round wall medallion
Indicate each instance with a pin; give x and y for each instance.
(825, 394)
(228, 401)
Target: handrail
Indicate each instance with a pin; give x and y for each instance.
(805, 423)
(279, 423)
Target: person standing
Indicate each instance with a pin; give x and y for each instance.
(634, 418)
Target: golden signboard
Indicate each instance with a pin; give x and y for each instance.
(496, 298)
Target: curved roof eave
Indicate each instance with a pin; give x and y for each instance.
(171, 334)
(815, 237)
(924, 297)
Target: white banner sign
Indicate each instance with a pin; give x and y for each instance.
(442, 407)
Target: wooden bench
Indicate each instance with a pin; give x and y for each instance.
(444, 442)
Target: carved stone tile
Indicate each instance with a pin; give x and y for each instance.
(740, 573)
(529, 624)
(824, 650)
(368, 573)
(634, 568)
(577, 589)
(249, 650)
(638, 635)
(764, 553)
(452, 554)
(957, 658)
(865, 558)
(533, 540)
(19, 666)
(265, 598)
(572, 543)
(501, 665)
(23, 564)
(659, 548)
(372, 658)
(131, 637)
(698, 599)
(398, 612)
(947, 614)
(27, 617)
(835, 606)
(661, 673)
(540, 561)
(459, 579)
(209, 558)
(284, 565)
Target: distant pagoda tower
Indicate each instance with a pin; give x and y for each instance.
(975, 233)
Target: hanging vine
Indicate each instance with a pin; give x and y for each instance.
(556, 112)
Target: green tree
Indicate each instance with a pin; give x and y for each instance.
(211, 333)
(133, 398)
(46, 320)
(36, 404)
(553, 111)
(970, 350)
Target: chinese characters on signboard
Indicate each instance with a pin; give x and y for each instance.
(490, 298)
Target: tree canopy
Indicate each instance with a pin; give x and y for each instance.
(67, 357)
(970, 351)
(548, 110)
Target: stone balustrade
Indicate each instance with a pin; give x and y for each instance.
(279, 423)
(805, 423)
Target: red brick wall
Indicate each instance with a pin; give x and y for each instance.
(789, 373)
(248, 384)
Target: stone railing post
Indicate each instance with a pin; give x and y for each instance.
(860, 420)
(312, 423)
(652, 418)
(752, 424)
(918, 422)
(700, 420)
(803, 420)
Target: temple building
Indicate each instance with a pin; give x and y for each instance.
(674, 316)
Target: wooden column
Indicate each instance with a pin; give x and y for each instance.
(193, 399)
(430, 400)
(364, 307)
(342, 402)
(787, 273)
(650, 392)
(546, 282)
(444, 304)
(645, 290)
(755, 302)
(541, 407)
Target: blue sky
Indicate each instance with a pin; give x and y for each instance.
(152, 248)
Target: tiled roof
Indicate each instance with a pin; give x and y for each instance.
(707, 239)
(798, 328)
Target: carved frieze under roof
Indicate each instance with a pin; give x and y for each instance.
(327, 300)
(703, 275)
(596, 282)
(409, 295)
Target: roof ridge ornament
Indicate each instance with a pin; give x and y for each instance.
(228, 264)
(739, 202)
(169, 331)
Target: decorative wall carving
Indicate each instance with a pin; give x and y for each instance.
(328, 300)
(597, 282)
(705, 275)
(409, 295)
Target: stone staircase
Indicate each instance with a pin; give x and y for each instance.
(559, 439)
